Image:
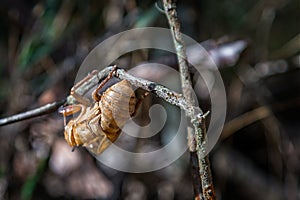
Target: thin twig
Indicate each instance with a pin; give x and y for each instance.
(244, 120)
(255, 115)
(48, 108)
(199, 126)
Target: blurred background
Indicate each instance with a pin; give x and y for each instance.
(256, 45)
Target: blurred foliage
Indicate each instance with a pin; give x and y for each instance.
(43, 43)
(30, 184)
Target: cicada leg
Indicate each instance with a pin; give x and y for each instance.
(71, 109)
(98, 144)
(84, 102)
(81, 99)
(139, 102)
(96, 95)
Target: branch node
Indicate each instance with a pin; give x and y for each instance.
(151, 87)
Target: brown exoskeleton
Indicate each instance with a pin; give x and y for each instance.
(99, 125)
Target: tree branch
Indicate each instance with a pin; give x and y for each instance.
(48, 108)
(187, 90)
